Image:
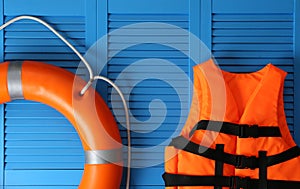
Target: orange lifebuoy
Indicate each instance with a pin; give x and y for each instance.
(96, 126)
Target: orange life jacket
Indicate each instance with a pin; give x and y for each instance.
(236, 135)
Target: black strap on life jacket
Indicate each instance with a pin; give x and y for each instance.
(240, 130)
(263, 169)
(219, 165)
(239, 161)
(233, 182)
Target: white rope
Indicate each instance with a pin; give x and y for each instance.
(92, 78)
(127, 124)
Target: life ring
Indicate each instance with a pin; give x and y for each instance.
(96, 127)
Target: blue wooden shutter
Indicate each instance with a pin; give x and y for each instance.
(119, 14)
(41, 148)
(246, 35)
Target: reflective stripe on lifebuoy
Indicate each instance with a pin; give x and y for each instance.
(103, 156)
(14, 82)
(89, 115)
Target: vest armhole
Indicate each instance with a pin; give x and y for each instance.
(283, 126)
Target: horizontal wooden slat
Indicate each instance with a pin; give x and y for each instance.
(42, 136)
(53, 19)
(147, 127)
(26, 106)
(41, 42)
(169, 31)
(148, 83)
(250, 25)
(146, 142)
(148, 39)
(153, 113)
(156, 119)
(150, 127)
(253, 40)
(288, 90)
(42, 57)
(150, 54)
(37, 122)
(143, 25)
(246, 32)
(125, 61)
(253, 54)
(141, 104)
(146, 7)
(33, 130)
(47, 7)
(43, 151)
(148, 17)
(44, 34)
(154, 75)
(33, 114)
(44, 166)
(252, 47)
(38, 27)
(148, 46)
(40, 144)
(42, 49)
(254, 6)
(253, 17)
(46, 159)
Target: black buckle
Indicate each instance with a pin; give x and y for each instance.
(246, 162)
(247, 131)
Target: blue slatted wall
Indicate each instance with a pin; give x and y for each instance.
(40, 149)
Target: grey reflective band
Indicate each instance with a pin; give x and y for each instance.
(14, 80)
(103, 156)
